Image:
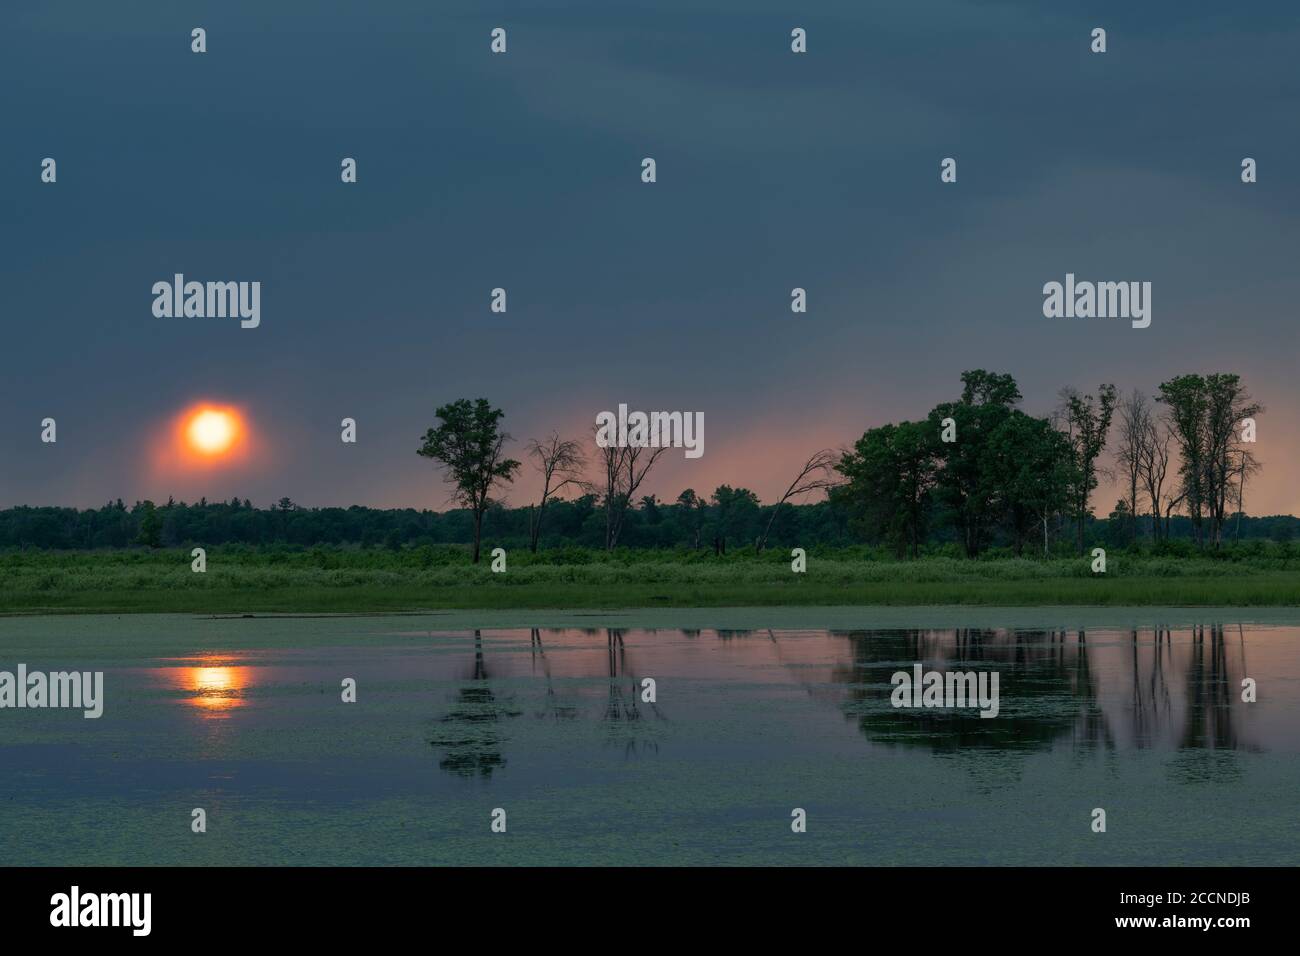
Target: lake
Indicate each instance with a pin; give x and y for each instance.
(544, 715)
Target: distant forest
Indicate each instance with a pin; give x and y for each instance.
(652, 524)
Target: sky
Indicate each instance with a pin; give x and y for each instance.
(523, 171)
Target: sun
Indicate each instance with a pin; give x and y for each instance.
(212, 431)
(206, 436)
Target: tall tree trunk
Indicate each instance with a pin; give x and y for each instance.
(536, 525)
(1241, 503)
(1133, 500)
(762, 542)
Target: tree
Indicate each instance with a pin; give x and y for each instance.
(1088, 421)
(150, 525)
(964, 483)
(691, 510)
(889, 477)
(1246, 465)
(468, 443)
(282, 510)
(1204, 413)
(1031, 466)
(1134, 432)
(733, 509)
(1184, 397)
(817, 474)
(623, 469)
(1228, 403)
(1153, 469)
(560, 463)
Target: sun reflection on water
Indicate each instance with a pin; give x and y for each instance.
(214, 685)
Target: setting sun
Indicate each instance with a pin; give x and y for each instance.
(205, 436)
(212, 431)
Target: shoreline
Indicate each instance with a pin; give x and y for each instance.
(183, 595)
(829, 617)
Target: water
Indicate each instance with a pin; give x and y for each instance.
(243, 718)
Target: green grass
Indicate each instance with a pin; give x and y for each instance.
(241, 579)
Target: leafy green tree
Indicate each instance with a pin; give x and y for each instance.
(1228, 403)
(691, 512)
(1204, 413)
(1184, 397)
(733, 510)
(1087, 423)
(1032, 467)
(650, 509)
(889, 476)
(964, 482)
(468, 443)
(1118, 524)
(150, 525)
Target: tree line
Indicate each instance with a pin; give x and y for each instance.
(976, 473)
(987, 469)
(977, 467)
(571, 523)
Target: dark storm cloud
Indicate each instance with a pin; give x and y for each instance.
(522, 171)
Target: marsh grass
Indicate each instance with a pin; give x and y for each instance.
(356, 579)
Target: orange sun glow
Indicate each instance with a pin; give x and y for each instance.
(212, 432)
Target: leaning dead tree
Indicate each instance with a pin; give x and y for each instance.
(817, 474)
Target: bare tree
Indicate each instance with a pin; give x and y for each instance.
(1134, 421)
(817, 474)
(1154, 469)
(1247, 464)
(561, 463)
(623, 469)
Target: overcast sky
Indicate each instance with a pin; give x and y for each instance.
(522, 170)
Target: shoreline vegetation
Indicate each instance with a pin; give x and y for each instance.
(284, 579)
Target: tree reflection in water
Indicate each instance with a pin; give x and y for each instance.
(555, 707)
(623, 711)
(1050, 693)
(470, 733)
(1086, 694)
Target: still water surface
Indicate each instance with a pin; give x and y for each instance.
(550, 725)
